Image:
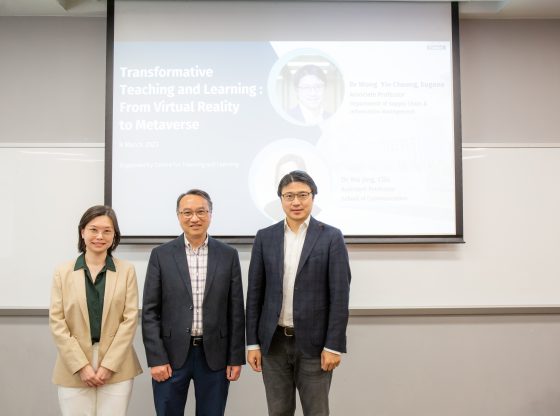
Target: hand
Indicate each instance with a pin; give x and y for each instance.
(233, 372)
(89, 377)
(329, 360)
(254, 358)
(104, 374)
(161, 372)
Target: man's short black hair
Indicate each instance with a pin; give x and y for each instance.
(198, 192)
(297, 176)
(309, 70)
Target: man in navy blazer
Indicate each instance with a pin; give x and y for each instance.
(193, 315)
(297, 303)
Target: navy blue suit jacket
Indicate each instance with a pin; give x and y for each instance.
(321, 290)
(167, 312)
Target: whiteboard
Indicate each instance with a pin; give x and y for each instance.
(511, 223)
(44, 192)
(512, 234)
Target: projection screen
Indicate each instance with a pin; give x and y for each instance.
(228, 96)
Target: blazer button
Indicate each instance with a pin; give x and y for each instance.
(188, 330)
(191, 307)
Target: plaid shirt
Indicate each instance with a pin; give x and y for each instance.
(197, 261)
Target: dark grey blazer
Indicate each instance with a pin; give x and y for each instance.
(167, 311)
(321, 290)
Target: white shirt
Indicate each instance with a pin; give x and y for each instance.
(293, 245)
(310, 117)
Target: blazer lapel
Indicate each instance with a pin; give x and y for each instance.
(278, 249)
(79, 289)
(110, 285)
(311, 237)
(213, 258)
(181, 261)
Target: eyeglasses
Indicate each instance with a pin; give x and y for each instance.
(200, 213)
(290, 196)
(104, 233)
(311, 88)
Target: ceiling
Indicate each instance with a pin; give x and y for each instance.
(478, 9)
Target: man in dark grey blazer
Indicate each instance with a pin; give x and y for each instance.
(193, 316)
(297, 303)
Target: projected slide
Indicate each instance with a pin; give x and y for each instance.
(371, 121)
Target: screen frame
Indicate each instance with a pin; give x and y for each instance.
(349, 239)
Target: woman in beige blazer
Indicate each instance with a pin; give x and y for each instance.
(93, 318)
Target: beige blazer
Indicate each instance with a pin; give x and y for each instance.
(69, 323)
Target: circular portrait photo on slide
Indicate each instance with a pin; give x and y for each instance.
(273, 162)
(307, 89)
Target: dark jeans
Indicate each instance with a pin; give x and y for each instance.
(284, 369)
(210, 388)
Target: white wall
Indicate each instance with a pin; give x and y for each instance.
(396, 366)
(510, 74)
(52, 78)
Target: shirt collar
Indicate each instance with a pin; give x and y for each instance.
(81, 263)
(305, 224)
(187, 244)
(310, 117)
